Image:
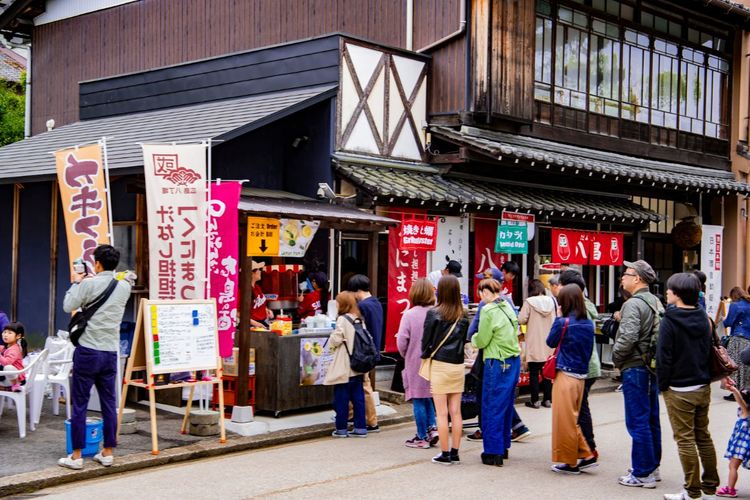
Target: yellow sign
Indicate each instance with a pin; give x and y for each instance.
(262, 237)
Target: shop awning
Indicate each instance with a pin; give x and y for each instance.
(418, 185)
(331, 215)
(539, 153)
(221, 120)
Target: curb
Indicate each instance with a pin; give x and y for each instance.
(29, 482)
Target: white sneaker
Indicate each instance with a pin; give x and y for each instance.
(656, 474)
(640, 482)
(677, 496)
(105, 461)
(70, 463)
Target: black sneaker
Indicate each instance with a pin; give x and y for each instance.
(455, 459)
(492, 459)
(442, 459)
(566, 469)
(589, 463)
(536, 405)
(520, 434)
(373, 428)
(475, 436)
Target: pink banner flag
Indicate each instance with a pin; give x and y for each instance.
(223, 259)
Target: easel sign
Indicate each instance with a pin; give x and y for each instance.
(174, 336)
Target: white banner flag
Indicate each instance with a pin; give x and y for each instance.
(176, 194)
(453, 244)
(711, 256)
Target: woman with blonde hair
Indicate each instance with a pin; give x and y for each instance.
(443, 340)
(409, 341)
(347, 383)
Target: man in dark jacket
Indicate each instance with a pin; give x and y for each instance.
(683, 358)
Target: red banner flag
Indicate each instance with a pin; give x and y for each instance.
(570, 247)
(606, 249)
(404, 268)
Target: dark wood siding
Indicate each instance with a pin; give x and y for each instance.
(282, 67)
(502, 39)
(153, 33)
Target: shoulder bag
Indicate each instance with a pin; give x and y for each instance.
(80, 319)
(549, 370)
(426, 364)
(721, 364)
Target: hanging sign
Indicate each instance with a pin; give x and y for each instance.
(268, 237)
(511, 238)
(711, 257)
(296, 236)
(418, 234)
(452, 244)
(404, 268)
(176, 192)
(84, 200)
(606, 249)
(570, 247)
(223, 258)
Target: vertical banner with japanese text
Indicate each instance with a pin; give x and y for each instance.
(80, 175)
(453, 244)
(711, 257)
(223, 259)
(176, 192)
(485, 257)
(404, 268)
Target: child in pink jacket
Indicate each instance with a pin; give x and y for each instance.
(12, 353)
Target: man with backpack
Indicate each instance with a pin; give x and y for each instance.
(372, 314)
(634, 353)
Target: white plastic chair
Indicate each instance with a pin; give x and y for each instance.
(57, 373)
(27, 391)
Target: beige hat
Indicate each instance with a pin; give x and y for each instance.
(643, 269)
(258, 265)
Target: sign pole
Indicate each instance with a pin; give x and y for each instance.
(107, 189)
(246, 304)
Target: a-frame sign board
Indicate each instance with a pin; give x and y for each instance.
(174, 336)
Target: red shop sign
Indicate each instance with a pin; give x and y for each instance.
(418, 234)
(606, 249)
(570, 247)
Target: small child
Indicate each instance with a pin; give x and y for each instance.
(11, 355)
(738, 449)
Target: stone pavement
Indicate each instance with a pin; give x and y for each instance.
(381, 466)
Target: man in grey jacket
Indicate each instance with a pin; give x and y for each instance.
(95, 358)
(639, 387)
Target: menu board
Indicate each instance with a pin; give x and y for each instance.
(181, 335)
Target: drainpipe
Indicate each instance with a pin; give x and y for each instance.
(27, 97)
(409, 24)
(459, 32)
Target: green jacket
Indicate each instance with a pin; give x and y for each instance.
(595, 366)
(497, 332)
(635, 328)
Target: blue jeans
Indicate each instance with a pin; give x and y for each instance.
(641, 395)
(93, 368)
(498, 395)
(343, 393)
(424, 416)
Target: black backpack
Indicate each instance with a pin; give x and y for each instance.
(363, 356)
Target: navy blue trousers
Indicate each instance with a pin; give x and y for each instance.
(498, 395)
(93, 368)
(344, 393)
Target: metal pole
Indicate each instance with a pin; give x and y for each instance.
(207, 276)
(246, 303)
(107, 189)
(52, 259)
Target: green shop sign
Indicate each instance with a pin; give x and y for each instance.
(511, 238)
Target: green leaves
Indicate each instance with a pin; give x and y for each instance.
(12, 106)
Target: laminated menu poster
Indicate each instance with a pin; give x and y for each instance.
(181, 336)
(314, 360)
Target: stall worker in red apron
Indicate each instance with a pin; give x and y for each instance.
(316, 301)
(260, 313)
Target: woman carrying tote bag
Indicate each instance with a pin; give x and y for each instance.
(443, 341)
(574, 334)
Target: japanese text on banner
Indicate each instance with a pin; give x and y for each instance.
(404, 268)
(176, 199)
(223, 259)
(84, 200)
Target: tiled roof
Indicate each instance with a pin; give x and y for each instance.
(397, 185)
(540, 153)
(220, 120)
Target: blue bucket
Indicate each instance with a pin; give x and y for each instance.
(94, 437)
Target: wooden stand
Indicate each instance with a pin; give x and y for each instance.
(139, 361)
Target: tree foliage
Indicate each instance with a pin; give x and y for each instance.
(12, 107)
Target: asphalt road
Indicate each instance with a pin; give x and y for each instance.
(381, 466)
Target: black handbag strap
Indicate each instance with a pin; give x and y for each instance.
(91, 309)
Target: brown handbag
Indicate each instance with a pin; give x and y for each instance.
(721, 364)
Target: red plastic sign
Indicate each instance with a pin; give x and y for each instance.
(418, 234)
(606, 249)
(570, 247)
